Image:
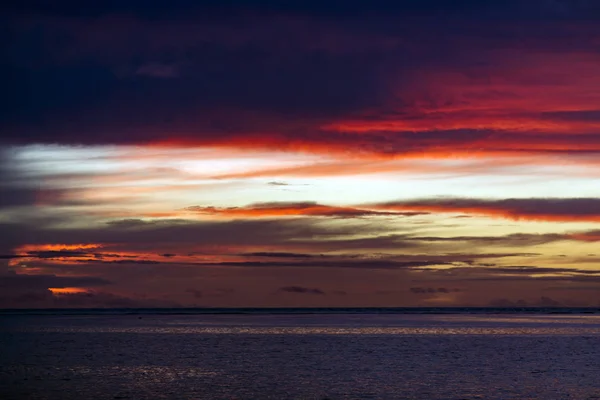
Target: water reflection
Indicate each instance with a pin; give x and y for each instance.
(308, 357)
(326, 325)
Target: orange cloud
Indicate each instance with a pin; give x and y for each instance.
(56, 247)
(67, 290)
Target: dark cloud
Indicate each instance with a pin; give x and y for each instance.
(432, 290)
(527, 278)
(141, 262)
(92, 299)
(271, 74)
(489, 271)
(374, 242)
(585, 115)
(158, 71)
(540, 270)
(101, 96)
(183, 237)
(240, 232)
(281, 255)
(57, 254)
(540, 302)
(488, 9)
(78, 255)
(282, 209)
(197, 294)
(576, 288)
(301, 290)
(457, 264)
(516, 239)
(341, 263)
(19, 282)
(546, 209)
(17, 197)
(363, 264)
(136, 223)
(503, 302)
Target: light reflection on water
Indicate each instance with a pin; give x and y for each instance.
(546, 331)
(330, 325)
(300, 356)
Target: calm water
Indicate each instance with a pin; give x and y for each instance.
(333, 356)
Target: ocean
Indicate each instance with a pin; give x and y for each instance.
(300, 354)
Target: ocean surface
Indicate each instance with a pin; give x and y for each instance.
(300, 354)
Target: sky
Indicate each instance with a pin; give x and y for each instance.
(300, 154)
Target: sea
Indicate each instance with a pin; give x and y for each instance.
(366, 353)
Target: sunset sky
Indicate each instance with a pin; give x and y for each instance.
(300, 153)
